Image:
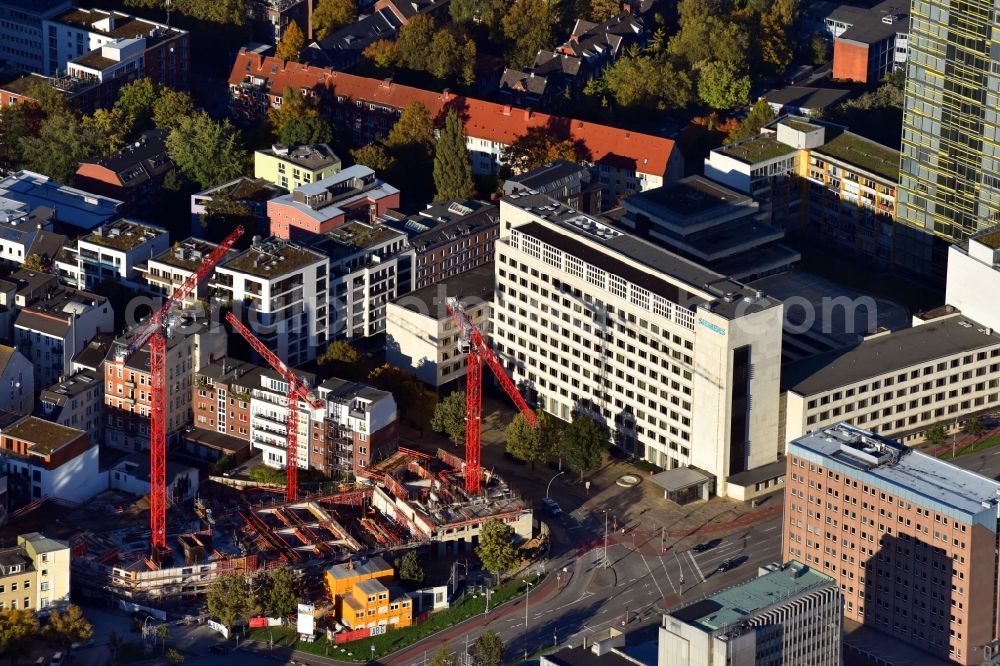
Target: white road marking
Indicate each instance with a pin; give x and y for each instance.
(769, 529)
(694, 563)
(658, 588)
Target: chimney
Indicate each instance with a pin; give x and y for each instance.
(506, 110)
(527, 113)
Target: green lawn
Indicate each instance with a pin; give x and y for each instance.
(981, 445)
(392, 641)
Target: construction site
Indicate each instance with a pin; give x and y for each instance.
(410, 499)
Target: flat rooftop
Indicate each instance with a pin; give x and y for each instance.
(740, 602)
(45, 436)
(906, 472)
(74, 207)
(989, 237)
(361, 568)
(313, 157)
(691, 196)
(272, 259)
(886, 354)
(862, 153)
(74, 384)
(123, 26)
(756, 149)
(551, 176)
(475, 284)
(123, 234)
(188, 254)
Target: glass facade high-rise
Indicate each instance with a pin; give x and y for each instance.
(950, 164)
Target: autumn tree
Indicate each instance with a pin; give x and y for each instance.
(776, 28)
(529, 25)
(382, 52)
(205, 151)
(485, 13)
(68, 627)
(17, 627)
(135, 102)
(706, 34)
(721, 86)
(413, 45)
(760, 114)
(452, 164)
(411, 144)
(332, 15)
(170, 107)
(583, 444)
(292, 43)
(449, 417)
(452, 56)
(604, 10)
(642, 80)
(375, 157)
(496, 548)
(61, 144)
(35, 262)
(413, 399)
(536, 147)
(344, 360)
(443, 657)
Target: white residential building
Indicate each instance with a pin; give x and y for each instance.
(17, 381)
(70, 206)
(21, 31)
(44, 460)
(789, 614)
(421, 336)
(56, 327)
(165, 272)
(283, 290)
(369, 266)
(113, 251)
(76, 402)
(664, 352)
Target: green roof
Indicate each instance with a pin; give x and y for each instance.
(799, 125)
(45, 436)
(863, 153)
(757, 149)
(738, 603)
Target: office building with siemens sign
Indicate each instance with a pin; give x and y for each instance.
(664, 352)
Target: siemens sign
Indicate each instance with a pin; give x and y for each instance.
(712, 327)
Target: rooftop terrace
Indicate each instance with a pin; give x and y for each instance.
(123, 234)
(271, 259)
(188, 254)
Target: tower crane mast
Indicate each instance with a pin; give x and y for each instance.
(155, 331)
(478, 353)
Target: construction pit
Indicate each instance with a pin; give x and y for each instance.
(409, 499)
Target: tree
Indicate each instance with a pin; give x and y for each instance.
(375, 157)
(487, 13)
(413, 129)
(449, 417)
(305, 130)
(974, 426)
(537, 146)
(935, 435)
(115, 642)
(705, 34)
(641, 80)
(413, 45)
(760, 114)
(409, 568)
(583, 443)
(294, 106)
(443, 657)
(720, 85)
(529, 25)
(530, 444)
(17, 122)
(174, 656)
(136, 101)
(452, 165)
(34, 262)
(445, 55)
(230, 599)
(332, 15)
(162, 632)
(291, 44)
(106, 130)
(281, 597)
(820, 49)
(205, 151)
(604, 10)
(59, 148)
(17, 627)
(170, 106)
(382, 52)
(345, 359)
(496, 548)
(68, 627)
(412, 398)
(488, 649)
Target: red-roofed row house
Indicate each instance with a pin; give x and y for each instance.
(626, 161)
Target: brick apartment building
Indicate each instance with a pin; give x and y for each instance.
(910, 538)
(626, 161)
(461, 241)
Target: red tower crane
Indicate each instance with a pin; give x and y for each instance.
(477, 353)
(155, 331)
(297, 390)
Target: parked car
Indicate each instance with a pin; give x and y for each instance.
(57, 659)
(700, 548)
(552, 506)
(728, 564)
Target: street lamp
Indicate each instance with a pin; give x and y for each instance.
(605, 538)
(526, 592)
(550, 483)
